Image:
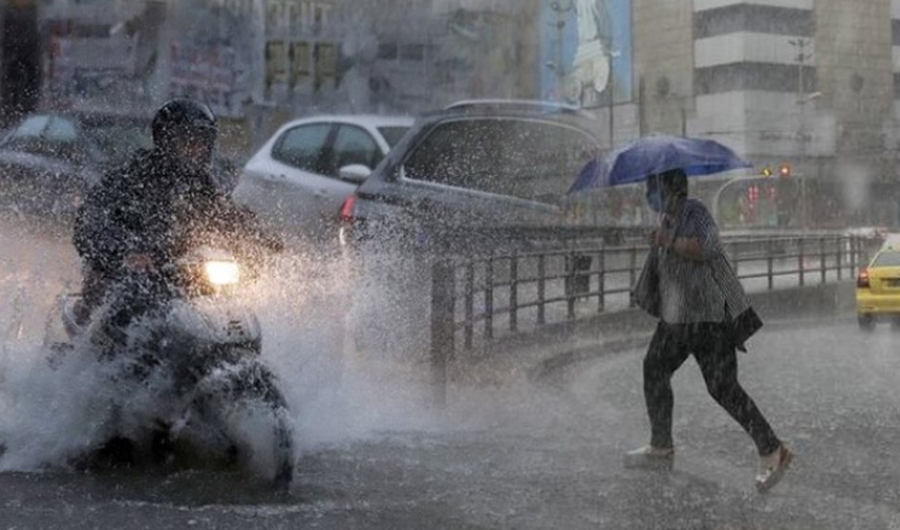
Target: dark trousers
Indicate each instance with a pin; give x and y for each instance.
(714, 350)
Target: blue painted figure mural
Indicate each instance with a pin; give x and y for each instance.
(586, 51)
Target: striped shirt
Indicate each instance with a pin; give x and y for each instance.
(697, 291)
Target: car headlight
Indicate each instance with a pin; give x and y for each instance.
(222, 272)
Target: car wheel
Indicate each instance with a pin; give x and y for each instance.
(866, 322)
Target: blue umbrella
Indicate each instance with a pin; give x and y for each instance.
(656, 154)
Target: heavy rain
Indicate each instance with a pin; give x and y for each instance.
(463, 264)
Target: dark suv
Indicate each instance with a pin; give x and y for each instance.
(472, 170)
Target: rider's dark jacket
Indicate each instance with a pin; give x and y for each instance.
(157, 207)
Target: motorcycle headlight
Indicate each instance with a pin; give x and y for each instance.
(222, 272)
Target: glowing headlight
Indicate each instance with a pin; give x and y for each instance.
(222, 272)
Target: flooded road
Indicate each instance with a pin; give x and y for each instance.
(550, 458)
(544, 454)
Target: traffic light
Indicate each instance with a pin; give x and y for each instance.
(784, 170)
(766, 172)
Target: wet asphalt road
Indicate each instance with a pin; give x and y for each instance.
(547, 455)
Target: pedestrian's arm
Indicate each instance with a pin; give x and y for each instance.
(698, 238)
(99, 234)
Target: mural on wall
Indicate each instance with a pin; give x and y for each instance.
(479, 54)
(586, 51)
(212, 53)
(100, 62)
(78, 71)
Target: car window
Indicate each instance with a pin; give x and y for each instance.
(32, 127)
(61, 130)
(302, 147)
(353, 145)
(887, 259)
(528, 159)
(393, 135)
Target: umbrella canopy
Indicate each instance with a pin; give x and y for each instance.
(653, 155)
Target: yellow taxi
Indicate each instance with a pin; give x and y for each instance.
(878, 288)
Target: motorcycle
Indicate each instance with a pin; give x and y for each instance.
(196, 351)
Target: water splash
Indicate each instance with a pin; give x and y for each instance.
(338, 388)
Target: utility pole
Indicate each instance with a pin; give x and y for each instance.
(802, 100)
(611, 85)
(611, 91)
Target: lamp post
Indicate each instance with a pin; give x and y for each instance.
(611, 88)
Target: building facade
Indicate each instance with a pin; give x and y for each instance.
(808, 84)
(264, 61)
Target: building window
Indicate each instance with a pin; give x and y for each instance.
(895, 31)
(412, 52)
(388, 51)
(896, 86)
(301, 65)
(753, 76)
(276, 63)
(755, 19)
(325, 59)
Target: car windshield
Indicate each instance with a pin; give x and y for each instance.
(888, 258)
(529, 159)
(393, 134)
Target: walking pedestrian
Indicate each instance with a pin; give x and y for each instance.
(689, 285)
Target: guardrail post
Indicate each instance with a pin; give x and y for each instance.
(514, 292)
(570, 292)
(736, 258)
(839, 263)
(541, 290)
(770, 264)
(822, 260)
(632, 273)
(443, 310)
(489, 299)
(601, 278)
(800, 260)
(469, 330)
(863, 254)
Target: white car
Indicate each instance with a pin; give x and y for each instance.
(298, 180)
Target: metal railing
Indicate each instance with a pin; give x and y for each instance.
(479, 299)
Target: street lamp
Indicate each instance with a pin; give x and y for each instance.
(802, 100)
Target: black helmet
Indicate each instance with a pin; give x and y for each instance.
(183, 118)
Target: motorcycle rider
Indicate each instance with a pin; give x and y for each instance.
(145, 215)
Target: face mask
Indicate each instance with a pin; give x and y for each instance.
(655, 200)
